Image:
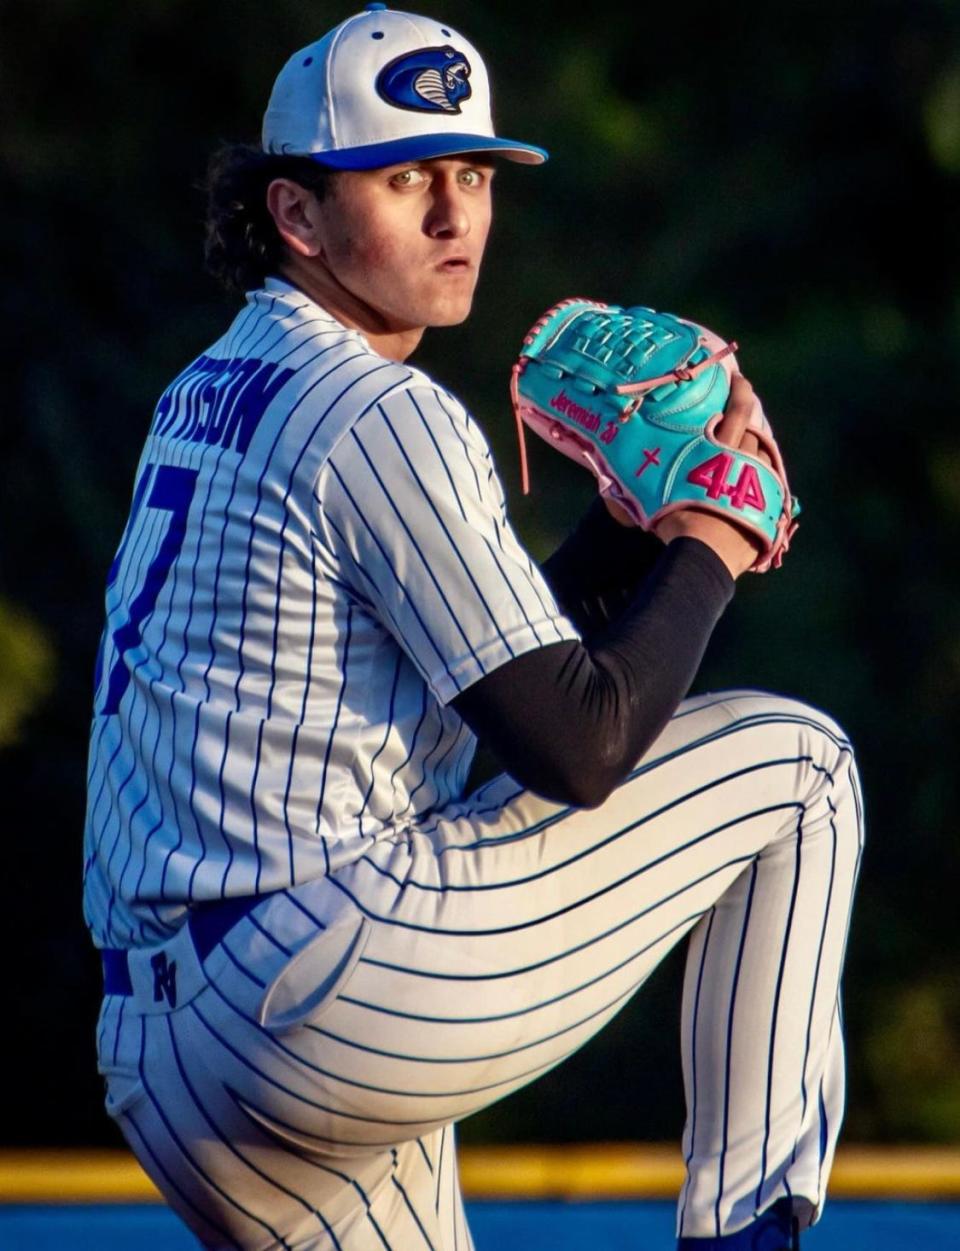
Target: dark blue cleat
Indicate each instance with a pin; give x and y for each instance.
(776, 1229)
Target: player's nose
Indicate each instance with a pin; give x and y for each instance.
(448, 217)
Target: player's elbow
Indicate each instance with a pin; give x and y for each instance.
(591, 796)
(596, 790)
(578, 787)
(585, 780)
(578, 774)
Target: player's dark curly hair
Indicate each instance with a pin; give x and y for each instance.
(242, 245)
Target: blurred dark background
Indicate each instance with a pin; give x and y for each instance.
(787, 174)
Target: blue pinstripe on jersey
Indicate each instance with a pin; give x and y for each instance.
(823, 935)
(393, 571)
(691, 1060)
(784, 950)
(732, 997)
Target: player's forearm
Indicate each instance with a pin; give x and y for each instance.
(570, 721)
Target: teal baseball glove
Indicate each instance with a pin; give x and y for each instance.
(635, 395)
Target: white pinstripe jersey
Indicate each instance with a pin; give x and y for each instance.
(316, 562)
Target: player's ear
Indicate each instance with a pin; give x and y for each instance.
(295, 212)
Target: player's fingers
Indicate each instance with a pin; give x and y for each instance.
(737, 411)
(758, 420)
(751, 444)
(753, 447)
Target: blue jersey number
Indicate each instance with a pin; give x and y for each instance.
(172, 491)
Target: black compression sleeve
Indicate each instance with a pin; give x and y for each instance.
(597, 569)
(570, 721)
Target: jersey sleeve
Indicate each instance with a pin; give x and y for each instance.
(413, 513)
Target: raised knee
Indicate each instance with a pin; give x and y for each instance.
(815, 735)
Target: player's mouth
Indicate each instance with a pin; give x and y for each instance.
(455, 265)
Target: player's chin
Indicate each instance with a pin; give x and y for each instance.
(451, 312)
(451, 299)
(450, 319)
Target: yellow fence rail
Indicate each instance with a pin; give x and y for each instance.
(583, 1171)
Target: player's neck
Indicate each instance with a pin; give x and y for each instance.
(322, 287)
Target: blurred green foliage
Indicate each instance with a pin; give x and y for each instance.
(913, 1057)
(787, 174)
(26, 670)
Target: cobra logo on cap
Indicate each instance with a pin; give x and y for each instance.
(429, 80)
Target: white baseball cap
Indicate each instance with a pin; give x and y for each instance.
(385, 87)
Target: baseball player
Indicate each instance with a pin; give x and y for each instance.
(319, 950)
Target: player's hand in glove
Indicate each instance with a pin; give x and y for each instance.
(638, 396)
(740, 549)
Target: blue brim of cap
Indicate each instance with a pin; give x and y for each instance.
(424, 147)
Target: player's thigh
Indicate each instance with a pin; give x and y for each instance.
(504, 932)
(508, 862)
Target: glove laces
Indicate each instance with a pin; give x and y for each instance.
(682, 373)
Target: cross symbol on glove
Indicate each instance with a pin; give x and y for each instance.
(650, 457)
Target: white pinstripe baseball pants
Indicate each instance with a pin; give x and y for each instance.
(302, 1092)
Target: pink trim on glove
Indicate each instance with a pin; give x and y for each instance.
(521, 434)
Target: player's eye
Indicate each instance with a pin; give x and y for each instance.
(473, 177)
(407, 178)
